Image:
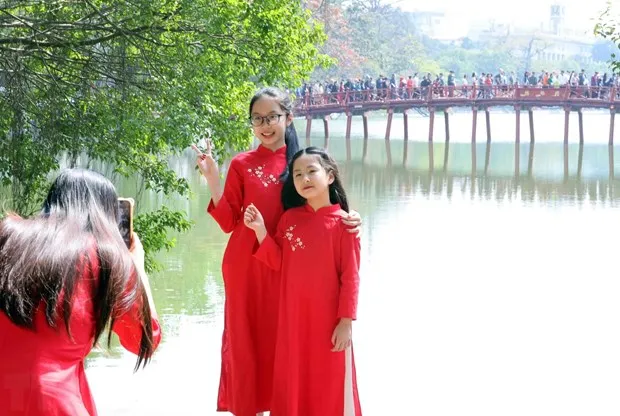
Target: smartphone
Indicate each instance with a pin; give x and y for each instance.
(125, 219)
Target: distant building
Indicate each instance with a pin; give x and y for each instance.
(554, 41)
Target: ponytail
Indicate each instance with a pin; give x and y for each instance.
(292, 146)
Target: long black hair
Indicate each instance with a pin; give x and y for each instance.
(43, 258)
(337, 195)
(290, 135)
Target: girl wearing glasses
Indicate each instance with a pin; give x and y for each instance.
(251, 288)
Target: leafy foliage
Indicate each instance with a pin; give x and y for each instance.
(131, 83)
(384, 40)
(153, 227)
(608, 27)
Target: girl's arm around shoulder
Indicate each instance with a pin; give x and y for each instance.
(350, 250)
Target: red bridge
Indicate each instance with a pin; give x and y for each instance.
(443, 98)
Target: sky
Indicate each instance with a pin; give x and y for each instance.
(580, 14)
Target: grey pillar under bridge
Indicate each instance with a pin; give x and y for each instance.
(474, 123)
(308, 129)
(446, 117)
(488, 117)
(326, 128)
(580, 114)
(518, 123)
(566, 123)
(388, 129)
(612, 120)
(611, 162)
(365, 121)
(349, 122)
(431, 123)
(530, 112)
(406, 123)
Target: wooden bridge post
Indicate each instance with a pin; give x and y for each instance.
(446, 116)
(517, 160)
(365, 121)
(565, 161)
(389, 123)
(566, 122)
(580, 160)
(348, 146)
(611, 162)
(474, 123)
(487, 158)
(518, 123)
(446, 155)
(431, 157)
(406, 123)
(530, 161)
(580, 114)
(531, 116)
(611, 125)
(431, 123)
(365, 150)
(326, 128)
(488, 117)
(308, 129)
(349, 122)
(474, 164)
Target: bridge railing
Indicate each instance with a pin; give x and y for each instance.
(459, 95)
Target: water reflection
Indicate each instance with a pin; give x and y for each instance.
(530, 161)
(582, 174)
(411, 201)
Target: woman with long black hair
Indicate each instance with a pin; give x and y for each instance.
(66, 275)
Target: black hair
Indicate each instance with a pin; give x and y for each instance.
(290, 135)
(337, 195)
(43, 258)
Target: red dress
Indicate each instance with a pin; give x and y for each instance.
(251, 288)
(319, 260)
(42, 371)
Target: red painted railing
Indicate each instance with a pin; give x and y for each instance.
(457, 96)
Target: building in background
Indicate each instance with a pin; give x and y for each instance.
(552, 40)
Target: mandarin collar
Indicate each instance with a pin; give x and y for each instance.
(324, 210)
(263, 150)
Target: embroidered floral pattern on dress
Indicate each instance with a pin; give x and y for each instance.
(295, 242)
(265, 178)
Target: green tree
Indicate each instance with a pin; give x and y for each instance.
(608, 27)
(130, 84)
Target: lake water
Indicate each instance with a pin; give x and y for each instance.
(489, 281)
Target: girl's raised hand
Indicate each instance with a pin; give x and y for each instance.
(253, 219)
(207, 165)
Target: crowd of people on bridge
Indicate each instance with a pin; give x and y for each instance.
(484, 85)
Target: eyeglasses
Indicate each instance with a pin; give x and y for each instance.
(258, 121)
